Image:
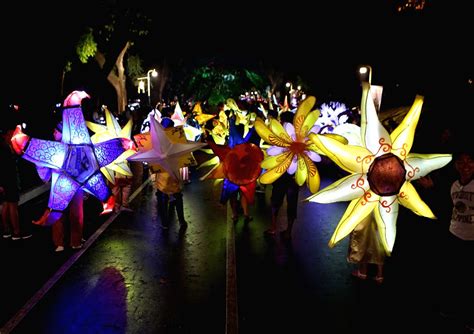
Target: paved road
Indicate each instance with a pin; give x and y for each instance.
(134, 277)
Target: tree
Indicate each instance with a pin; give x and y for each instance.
(108, 43)
(215, 83)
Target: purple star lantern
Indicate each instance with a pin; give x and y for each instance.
(72, 163)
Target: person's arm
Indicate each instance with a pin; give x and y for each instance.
(426, 182)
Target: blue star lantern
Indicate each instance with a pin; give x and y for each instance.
(72, 163)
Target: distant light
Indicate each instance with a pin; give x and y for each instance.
(23, 125)
(299, 87)
(288, 84)
(154, 73)
(469, 81)
(363, 70)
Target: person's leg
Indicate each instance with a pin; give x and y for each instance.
(273, 225)
(276, 201)
(379, 275)
(6, 226)
(126, 191)
(291, 206)
(245, 208)
(234, 205)
(12, 217)
(362, 270)
(162, 206)
(180, 208)
(57, 231)
(116, 191)
(76, 219)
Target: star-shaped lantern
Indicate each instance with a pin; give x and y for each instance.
(110, 131)
(381, 172)
(192, 132)
(200, 116)
(73, 163)
(158, 148)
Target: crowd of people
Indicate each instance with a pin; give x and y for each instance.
(365, 246)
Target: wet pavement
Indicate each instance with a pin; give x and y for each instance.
(134, 277)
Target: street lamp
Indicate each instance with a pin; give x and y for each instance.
(154, 74)
(364, 69)
(375, 91)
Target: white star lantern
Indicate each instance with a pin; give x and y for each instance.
(165, 152)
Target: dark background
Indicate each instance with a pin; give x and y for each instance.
(425, 53)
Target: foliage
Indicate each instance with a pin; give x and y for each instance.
(86, 47)
(256, 79)
(68, 66)
(134, 66)
(216, 84)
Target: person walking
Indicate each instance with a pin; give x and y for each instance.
(10, 184)
(366, 249)
(458, 295)
(74, 211)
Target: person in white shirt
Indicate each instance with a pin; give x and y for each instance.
(459, 295)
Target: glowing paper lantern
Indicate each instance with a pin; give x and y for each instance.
(112, 130)
(333, 114)
(381, 172)
(159, 149)
(155, 113)
(291, 151)
(199, 115)
(239, 164)
(178, 117)
(74, 162)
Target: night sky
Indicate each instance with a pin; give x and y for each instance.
(410, 54)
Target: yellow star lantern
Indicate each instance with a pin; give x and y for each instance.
(291, 150)
(381, 172)
(110, 131)
(241, 116)
(200, 116)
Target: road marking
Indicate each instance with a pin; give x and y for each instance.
(15, 320)
(34, 192)
(232, 320)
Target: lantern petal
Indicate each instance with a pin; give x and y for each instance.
(357, 210)
(386, 214)
(419, 165)
(404, 133)
(353, 159)
(409, 198)
(347, 188)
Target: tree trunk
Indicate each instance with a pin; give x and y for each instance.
(116, 77)
(163, 75)
(61, 88)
